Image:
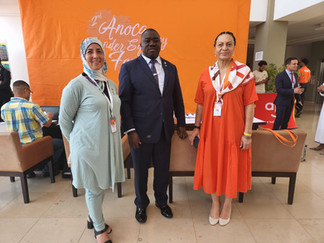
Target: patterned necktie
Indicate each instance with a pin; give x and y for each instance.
(153, 69)
(292, 77)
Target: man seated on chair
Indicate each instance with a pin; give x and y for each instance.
(27, 118)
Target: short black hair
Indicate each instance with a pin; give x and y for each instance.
(289, 59)
(261, 63)
(20, 83)
(304, 60)
(149, 29)
(19, 86)
(225, 33)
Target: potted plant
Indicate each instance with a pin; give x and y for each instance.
(272, 71)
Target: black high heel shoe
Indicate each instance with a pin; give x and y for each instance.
(90, 224)
(96, 233)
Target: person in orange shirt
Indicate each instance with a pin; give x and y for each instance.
(303, 79)
(225, 107)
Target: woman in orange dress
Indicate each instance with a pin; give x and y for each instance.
(225, 108)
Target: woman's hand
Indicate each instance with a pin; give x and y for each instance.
(195, 133)
(245, 142)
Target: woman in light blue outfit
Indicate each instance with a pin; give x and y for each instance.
(90, 120)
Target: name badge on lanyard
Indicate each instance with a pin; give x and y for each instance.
(217, 109)
(113, 125)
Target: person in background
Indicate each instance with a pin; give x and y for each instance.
(5, 90)
(287, 90)
(90, 120)
(225, 108)
(319, 136)
(304, 75)
(27, 118)
(260, 77)
(150, 92)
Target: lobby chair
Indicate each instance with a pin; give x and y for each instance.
(19, 160)
(67, 154)
(182, 160)
(272, 159)
(126, 155)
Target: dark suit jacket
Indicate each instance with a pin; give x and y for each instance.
(5, 90)
(285, 94)
(143, 107)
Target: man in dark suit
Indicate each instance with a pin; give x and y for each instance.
(287, 90)
(150, 94)
(5, 90)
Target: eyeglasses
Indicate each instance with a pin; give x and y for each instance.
(31, 92)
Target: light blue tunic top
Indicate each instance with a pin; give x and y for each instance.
(96, 152)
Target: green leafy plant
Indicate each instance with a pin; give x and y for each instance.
(273, 71)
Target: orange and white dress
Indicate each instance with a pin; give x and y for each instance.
(221, 166)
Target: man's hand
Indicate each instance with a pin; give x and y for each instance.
(182, 132)
(320, 88)
(134, 140)
(50, 115)
(298, 90)
(263, 81)
(49, 122)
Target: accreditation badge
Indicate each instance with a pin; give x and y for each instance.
(217, 109)
(113, 125)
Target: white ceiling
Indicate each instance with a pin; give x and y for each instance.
(305, 31)
(301, 26)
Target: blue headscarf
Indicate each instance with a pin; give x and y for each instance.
(94, 74)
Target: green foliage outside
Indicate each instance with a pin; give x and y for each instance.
(272, 71)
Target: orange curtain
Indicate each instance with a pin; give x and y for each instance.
(53, 31)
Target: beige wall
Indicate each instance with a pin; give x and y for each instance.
(271, 38)
(299, 51)
(317, 56)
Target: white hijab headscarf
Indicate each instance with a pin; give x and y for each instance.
(98, 75)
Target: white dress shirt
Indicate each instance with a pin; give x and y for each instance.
(159, 70)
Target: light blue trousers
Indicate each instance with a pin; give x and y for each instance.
(94, 200)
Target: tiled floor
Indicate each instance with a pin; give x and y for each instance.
(53, 215)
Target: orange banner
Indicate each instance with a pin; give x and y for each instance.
(53, 31)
